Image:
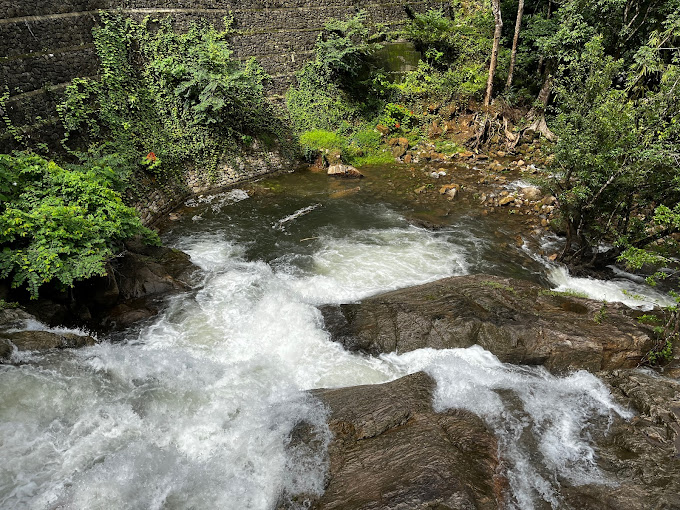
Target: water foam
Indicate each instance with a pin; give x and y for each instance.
(543, 422)
(372, 261)
(196, 409)
(623, 290)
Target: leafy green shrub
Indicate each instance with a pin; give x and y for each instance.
(433, 32)
(329, 92)
(367, 139)
(60, 225)
(184, 99)
(398, 117)
(321, 140)
(318, 103)
(661, 353)
(343, 47)
(317, 141)
(456, 53)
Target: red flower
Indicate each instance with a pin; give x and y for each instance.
(397, 125)
(151, 157)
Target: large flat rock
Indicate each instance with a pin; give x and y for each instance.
(391, 451)
(516, 320)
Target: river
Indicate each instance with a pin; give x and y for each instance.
(193, 409)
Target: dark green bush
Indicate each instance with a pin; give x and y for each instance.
(60, 225)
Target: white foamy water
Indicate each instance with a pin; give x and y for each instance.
(543, 422)
(624, 290)
(195, 410)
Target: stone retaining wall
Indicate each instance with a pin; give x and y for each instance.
(45, 44)
(158, 200)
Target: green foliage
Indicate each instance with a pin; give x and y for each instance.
(447, 147)
(564, 293)
(648, 319)
(434, 33)
(456, 53)
(601, 314)
(343, 47)
(180, 96)
(617, 158)
(4, 305)
(60, 225)
(329, 93)
(318, 141)
(661, 353)
(397, 117)
(382, 157)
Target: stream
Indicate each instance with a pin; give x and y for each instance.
(193, 409)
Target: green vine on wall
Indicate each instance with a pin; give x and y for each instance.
(179, 96)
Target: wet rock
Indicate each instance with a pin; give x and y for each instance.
(45, 340)
(345, 193)
(390, 450)
(450, 190)
(5, 350)
(383, 130)
(516, 320)
(435, 130)
(506, 200)
(346, 171)
(642, 456)
(13, 335)
(398, 151)
(141, 276)
(13, 318)
(532, 193)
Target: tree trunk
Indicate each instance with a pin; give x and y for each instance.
(515, 40)
(546, 90)
(496, 7)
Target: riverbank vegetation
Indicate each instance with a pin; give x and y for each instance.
(599, 81)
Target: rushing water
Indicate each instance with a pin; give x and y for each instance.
(194, 408)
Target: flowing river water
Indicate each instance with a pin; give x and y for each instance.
(193, 409)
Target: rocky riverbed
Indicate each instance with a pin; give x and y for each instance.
(325, 343)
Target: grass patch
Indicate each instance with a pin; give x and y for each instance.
(379, 158)
(499, 286)
(564, 293)
(447, 147)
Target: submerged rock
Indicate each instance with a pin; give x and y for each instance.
(14, 336)
(391, 450)
(516, 320)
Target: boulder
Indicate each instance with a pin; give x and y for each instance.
(532, 193)
(506, 200)
(390, 450)
(516, 320)
(383, 130)
(398, 151)
(13, 335)
(345, 171)
(450, 190)
(13, 318)
(142, 276)
(435, 131)
(44, 340)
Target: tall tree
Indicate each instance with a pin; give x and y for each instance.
(498, 20)
(515, 40)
